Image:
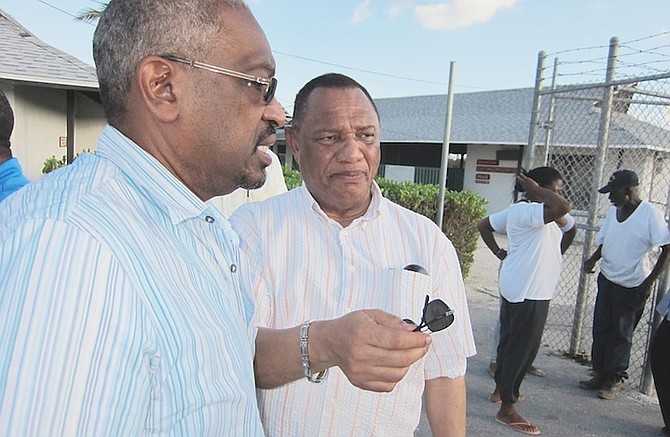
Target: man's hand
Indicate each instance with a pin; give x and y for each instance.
(644, 290)
(589, 265)
(374, 349)
(527, 183)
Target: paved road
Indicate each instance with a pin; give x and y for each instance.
(554, 403)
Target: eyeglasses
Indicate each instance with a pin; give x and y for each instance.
(436, 316)
(269, 84)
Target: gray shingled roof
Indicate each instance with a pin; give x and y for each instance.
(491, 117)
(503, 117)
(24, 58)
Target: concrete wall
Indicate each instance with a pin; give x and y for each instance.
(41, 119)
(487, 176)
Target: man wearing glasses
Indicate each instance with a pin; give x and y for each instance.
(335, 245)
(125, 307)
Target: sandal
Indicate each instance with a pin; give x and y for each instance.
(524, 427)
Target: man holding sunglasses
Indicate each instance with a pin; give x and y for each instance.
(335, 245)
(125, 306)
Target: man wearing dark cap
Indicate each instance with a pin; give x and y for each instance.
(11, 177)
(631, 229)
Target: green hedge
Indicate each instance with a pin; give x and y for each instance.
(462, 210)
(53, 163)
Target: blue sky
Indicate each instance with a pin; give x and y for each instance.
(404, 47)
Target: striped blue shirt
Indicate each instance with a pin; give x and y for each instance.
(123, 310)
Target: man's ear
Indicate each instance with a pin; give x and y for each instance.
(158, 81)
(291, 136)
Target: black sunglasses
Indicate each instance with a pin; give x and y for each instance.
(436, 316)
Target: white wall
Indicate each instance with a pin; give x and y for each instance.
(41, 119)
(399, 173)
(498, 190)
(89, 123)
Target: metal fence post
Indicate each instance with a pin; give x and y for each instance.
(603, 133)
(549, 124)
(445, 146)
(529, 153)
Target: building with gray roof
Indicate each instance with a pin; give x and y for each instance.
(54, 96)
(490, 131)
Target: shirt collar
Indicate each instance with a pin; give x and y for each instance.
(373, 211)
(146, 172)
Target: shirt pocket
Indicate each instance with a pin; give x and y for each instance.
(402, 293)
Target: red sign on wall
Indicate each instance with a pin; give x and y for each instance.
(492, 169)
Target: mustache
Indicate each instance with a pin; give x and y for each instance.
(272, 128)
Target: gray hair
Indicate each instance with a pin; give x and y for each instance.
(130, 30)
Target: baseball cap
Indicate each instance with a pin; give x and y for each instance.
(619, 179)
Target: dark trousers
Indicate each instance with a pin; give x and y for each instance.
(521, 326)
(659, 356)
(616, 314)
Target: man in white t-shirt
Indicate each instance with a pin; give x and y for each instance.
(631, 229)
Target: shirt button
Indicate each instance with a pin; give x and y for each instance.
(209, 219)
(233, 268)
(352, 269)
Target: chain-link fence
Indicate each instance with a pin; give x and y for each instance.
(588, 131)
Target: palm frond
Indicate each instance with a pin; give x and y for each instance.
(92, 14)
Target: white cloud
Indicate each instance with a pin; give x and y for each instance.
(459, 13)
(362, 12)
(398, 7)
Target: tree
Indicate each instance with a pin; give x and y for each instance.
(92, 14)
